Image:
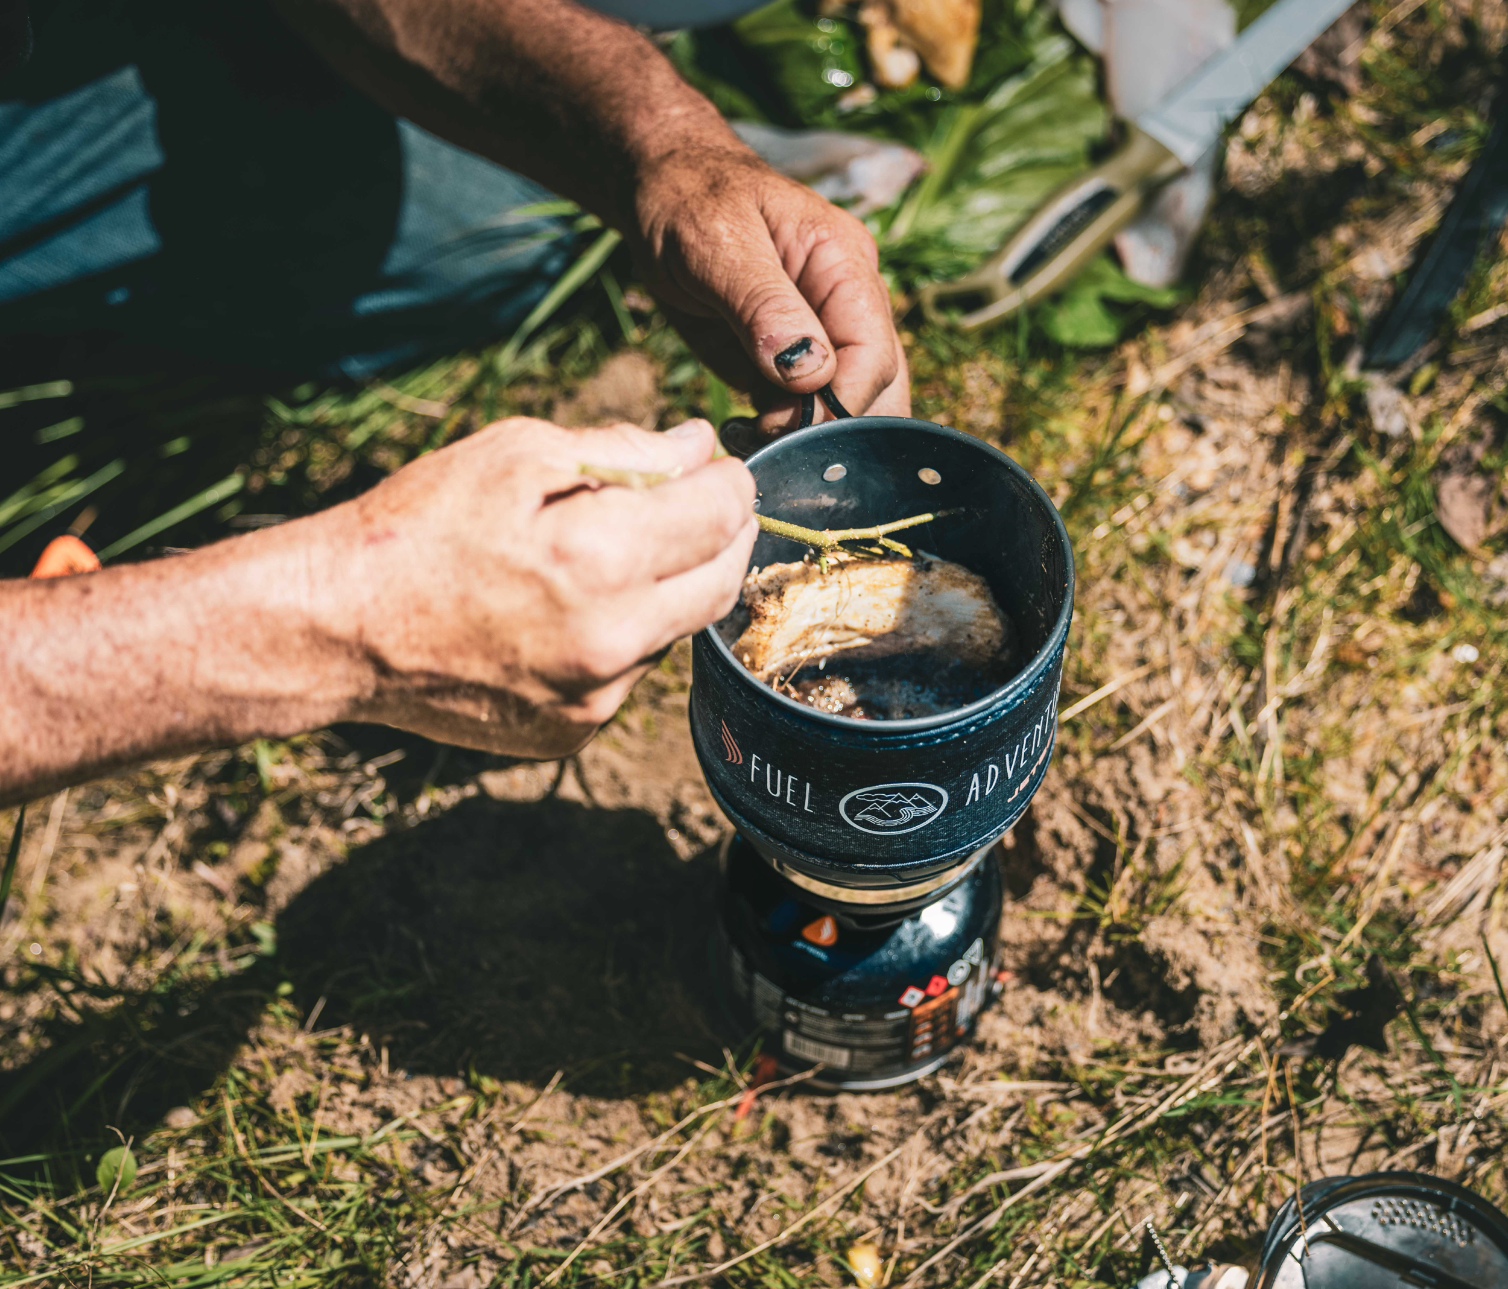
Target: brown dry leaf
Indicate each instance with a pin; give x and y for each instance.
(894, 63)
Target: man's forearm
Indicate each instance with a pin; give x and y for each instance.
(578, 101)
(225, 644)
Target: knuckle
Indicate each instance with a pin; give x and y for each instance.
(601, 655)
(761, 294)
(857, 232)
(587, 559)
(599, 707)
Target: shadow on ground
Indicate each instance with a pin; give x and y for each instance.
(501, 939)
(516, 940)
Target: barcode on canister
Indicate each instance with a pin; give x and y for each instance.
(808, 1049)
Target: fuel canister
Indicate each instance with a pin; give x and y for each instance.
(875, 995)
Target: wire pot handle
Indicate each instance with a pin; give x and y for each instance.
(740, 437)
(809, 407)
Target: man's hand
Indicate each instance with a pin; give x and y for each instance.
(488, 594)
(552, 594)
(791, 282)
(775, 287)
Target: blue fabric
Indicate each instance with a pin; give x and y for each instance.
(192, 174)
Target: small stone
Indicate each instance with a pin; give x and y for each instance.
(1239, 573)
(1388, 408)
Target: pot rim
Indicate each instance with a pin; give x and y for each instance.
(1017, 686)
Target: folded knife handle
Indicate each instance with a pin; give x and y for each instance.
(1071, 227)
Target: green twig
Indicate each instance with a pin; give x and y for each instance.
(635, 479)
(827, 539)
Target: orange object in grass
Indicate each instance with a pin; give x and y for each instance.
(65, 556)
(764, 1072)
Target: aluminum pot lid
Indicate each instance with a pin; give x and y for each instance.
(1385, 1231)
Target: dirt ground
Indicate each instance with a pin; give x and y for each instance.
(1254, 916)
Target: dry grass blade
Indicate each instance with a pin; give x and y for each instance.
(1143, 725)
(12, 854)
(641, 1189)
(774, 1241)
(552, 1193)
(1079, 706)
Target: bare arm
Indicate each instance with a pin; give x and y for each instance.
(574, 99)
(482, 595)
(219, 646)
(590, 108)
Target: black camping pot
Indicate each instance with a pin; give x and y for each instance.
(876, 997)
(1385, 1231)
(886, 804)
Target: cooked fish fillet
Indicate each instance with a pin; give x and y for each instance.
(868, 608)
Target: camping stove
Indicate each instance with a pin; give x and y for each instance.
(861, 896)
(875, 994)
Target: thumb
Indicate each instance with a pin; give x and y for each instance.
(777, 327)
(678, 450)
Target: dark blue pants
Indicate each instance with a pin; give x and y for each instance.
(189, 173)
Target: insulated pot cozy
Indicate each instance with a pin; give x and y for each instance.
(887, 803)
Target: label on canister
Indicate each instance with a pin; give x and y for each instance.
(926, 1020)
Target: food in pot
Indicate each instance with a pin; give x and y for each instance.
(892, 689)
(943, 639)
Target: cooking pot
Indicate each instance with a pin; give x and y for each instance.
(833, 801)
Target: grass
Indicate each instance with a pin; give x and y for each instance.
(1297, 773)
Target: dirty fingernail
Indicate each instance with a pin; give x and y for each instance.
(688, 429)
(806, 355)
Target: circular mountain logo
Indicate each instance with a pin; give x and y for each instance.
(890, 808)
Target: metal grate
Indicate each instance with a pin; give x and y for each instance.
(1422, 1216)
